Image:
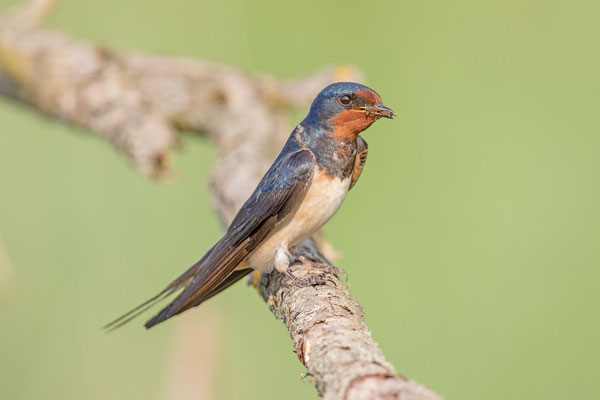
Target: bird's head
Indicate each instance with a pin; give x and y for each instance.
(347, 109)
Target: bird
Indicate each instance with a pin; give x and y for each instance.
(305, 186)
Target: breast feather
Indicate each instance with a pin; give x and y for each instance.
(321, 201)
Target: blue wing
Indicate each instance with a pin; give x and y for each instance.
(277, 194)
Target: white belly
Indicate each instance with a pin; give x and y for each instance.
(323, 198)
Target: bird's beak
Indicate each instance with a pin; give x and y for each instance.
(379, 110)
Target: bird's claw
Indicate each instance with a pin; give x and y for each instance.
(314, 280)
(332, 269)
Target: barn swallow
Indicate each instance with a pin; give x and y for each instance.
(320, 162)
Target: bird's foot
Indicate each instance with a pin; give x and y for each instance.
(306, 282)
(332, 269)
(299, 262)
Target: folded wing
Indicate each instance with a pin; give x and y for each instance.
(275, 197)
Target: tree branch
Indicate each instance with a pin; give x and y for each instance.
(139, 103)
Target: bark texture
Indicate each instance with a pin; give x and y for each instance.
(139, 103)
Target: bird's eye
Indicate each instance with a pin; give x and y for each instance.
(345, 100)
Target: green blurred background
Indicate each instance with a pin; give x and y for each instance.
(472, 240)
